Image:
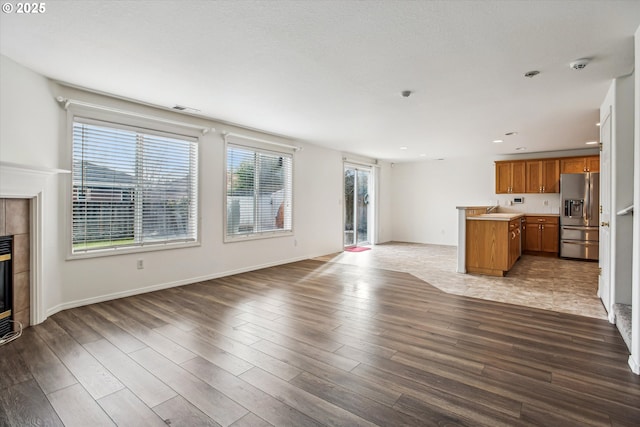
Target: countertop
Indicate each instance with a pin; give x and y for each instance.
(507, 216)
(499, 216)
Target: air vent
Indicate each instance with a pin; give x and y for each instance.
(185, 109)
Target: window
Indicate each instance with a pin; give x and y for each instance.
(132, 187)
(259, 192)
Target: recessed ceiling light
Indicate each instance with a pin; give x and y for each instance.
(598, 124)
(511, 133)
(497, 141)
(591, 142)
(531, 74)
(521, 148)
(404, 148)
(423, 155)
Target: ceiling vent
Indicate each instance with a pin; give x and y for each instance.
(185, 109)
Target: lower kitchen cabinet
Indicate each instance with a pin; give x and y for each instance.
(515, 244)
(541, 234)
(492, 247)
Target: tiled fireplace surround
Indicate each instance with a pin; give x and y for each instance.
(14, 221)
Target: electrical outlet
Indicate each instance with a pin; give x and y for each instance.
(140, 264)
(546, 203)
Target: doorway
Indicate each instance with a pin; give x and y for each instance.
(357, 206)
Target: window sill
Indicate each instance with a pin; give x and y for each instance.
(257, 236)
(131, 250)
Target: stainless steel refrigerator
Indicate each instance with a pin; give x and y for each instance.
(579, 216)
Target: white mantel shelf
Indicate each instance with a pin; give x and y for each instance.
(18, 167)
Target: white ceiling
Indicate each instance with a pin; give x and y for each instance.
(331, 72)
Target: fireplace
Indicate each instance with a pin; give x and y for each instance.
(15, 263)
(22, 191)
(6, 286)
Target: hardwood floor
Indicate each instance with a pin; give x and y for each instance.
(316, 343)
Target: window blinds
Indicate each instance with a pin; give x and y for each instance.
(259, 191)
(131, 187)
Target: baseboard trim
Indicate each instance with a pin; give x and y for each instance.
(123, 294)
(635, 367)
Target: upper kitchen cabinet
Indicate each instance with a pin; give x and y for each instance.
(510, 177)
(593, 163)
(542, 176)
(580, 164)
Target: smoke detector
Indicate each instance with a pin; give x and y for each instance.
(579, 64)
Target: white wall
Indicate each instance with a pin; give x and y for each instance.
(34, 133)
(425, 195)
(385, 203)
(29, 130)
(622, 188)
(29, 134)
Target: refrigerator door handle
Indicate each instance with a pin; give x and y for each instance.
(587, 200)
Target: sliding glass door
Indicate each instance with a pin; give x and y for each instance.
(357, 184)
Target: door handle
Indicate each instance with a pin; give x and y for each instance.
(604, 224)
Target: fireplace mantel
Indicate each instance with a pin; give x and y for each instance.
(27, 181)
(19, 168)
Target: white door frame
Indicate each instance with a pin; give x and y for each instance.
(371, 222)
(605, 290)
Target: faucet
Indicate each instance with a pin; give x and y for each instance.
(492, 208)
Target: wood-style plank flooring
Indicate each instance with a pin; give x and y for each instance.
(315, 343)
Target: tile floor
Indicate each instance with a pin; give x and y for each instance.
(556, 284)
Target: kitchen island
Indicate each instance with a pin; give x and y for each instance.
(493, 242)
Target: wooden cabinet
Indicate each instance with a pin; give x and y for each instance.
(541, 234)
(510, 177)
(542, 176)
(514, 242)
(492, 247)
(593, 164)
(580, 164)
